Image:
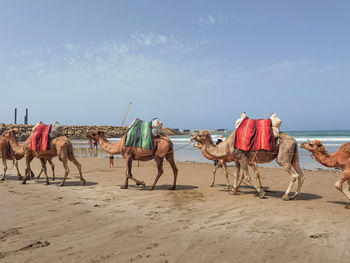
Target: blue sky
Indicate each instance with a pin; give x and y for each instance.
(193, 64)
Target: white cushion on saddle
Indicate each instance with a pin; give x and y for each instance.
(239, 121)
(276, 124)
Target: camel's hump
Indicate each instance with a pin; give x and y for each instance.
(345, 148)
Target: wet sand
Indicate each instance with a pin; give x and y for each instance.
(100, 222)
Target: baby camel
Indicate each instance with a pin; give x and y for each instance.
(222, 163)
(341, 159)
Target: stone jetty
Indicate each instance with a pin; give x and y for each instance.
(77, 132)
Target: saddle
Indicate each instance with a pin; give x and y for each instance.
(254, 135)
(139, 135)
(40, 139)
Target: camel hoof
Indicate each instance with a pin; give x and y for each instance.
(262, 194)
(172, 188)
(3, 179)
(123, 187)
(61, 184)
(53, 179)
(20, 177)
(24, 182)
(143, 184)
(294, 197)
(211, 185)
(151, 189)
(83, 182)
(47, 183)
(285, 197)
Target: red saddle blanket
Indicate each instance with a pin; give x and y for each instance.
(40, 141)
(253, 135)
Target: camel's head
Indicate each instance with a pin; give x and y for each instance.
(200, 136)
(313, 146)
(94, 135)
(10, 133)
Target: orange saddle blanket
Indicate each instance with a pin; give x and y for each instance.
(254, 135)
(40, 141)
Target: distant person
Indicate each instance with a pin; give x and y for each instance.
(218, 141)
(95, 145)
(111, 163)
(90, 144)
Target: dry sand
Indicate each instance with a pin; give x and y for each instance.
(100, 222)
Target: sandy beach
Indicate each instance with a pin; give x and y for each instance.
(100, 222)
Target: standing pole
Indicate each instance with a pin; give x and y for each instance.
(15, 115)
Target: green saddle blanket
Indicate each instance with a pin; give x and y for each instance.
(139, 135)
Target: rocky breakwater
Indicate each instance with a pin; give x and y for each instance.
(77, 132)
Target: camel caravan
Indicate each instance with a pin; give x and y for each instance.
(253, 142)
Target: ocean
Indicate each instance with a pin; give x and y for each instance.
(185, 152)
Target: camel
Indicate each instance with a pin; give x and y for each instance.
(341, 159)
(286, 155)
(163, 148)
(59, 146)
(6, 153)
(222, 163)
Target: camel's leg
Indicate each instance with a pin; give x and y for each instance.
(52, 168)
(41, 171)
(214, 173)
(130, 176)
(28, 158)
(236, 178)
(64, 160)
(293, 178)
(128, 171)
(72, 158)
(339, 184)
(223, 163)
(159, 162)
(5, 168)
(43, 168)
(249, 179)
(257, 174)
(170, 158)
(19, 176)
(301, 177)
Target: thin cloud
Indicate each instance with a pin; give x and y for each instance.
(211, 20)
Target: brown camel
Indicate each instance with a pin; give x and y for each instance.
(163, 148)
(286, 155)
(222, 163)
(341, 159)
(60, 146)
(6, 153)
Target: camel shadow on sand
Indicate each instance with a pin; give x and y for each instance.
(69, 182)
(245, 190)
(164, 187)
(345, 204)
(10, 178)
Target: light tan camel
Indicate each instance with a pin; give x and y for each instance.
(163, 148)
(60, 146)
(222, 163)
(286, 155)
(341, 159)
(6, 153)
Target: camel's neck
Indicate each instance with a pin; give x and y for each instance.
(107, 146)
(222, 150)
(325, 158)
(16, 147)
(205, 154)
